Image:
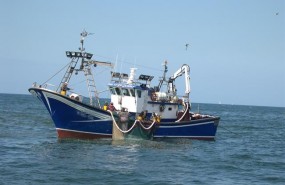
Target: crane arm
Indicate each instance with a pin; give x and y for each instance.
(185, 69)
(99, 63)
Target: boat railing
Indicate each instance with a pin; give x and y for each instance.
(46, 86)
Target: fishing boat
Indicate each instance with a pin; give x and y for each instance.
(136, 108)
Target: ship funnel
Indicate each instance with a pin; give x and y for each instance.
(132, 75)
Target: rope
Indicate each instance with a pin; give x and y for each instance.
(147, 128)
(119, 127)
(230, 131)
(183, 114)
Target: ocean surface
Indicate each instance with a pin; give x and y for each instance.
(249, 149)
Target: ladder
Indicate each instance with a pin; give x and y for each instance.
(68, 73)
(91, 84)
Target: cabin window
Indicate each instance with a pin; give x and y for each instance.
(112, 91)
(139, 93)
(132, 92)
(125, 92)
(169, 108)
(118, 91)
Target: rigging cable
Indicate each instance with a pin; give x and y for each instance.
(122, 61)
(80, 82)
(56, 73)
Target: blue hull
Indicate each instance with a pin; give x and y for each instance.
(196, 129)
(74, 119)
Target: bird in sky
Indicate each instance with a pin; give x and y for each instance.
(186, 46)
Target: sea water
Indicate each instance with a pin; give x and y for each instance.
(249, 149)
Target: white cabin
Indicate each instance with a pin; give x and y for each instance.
(136, 96)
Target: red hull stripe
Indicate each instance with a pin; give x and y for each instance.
(62, 134)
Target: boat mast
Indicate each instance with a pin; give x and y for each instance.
(163, 79)
(85, 66)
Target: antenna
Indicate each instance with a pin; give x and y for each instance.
(116, 63)
(198, 108)
(135, 63)
(83, 34)
(122, 62)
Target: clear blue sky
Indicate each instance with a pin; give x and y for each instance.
(236, 52)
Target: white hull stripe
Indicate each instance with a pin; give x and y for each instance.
(82, 132)
(159, 136)
(187, 125)
(47, 102)
(75, 106)
(88, 121)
